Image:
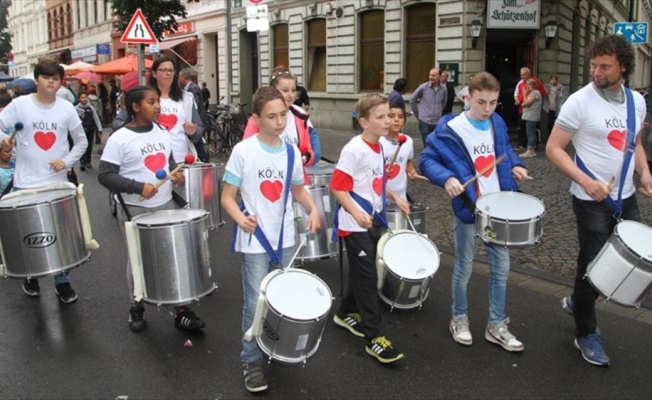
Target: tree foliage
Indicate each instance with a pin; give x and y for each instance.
(5, 36)
(161, 15)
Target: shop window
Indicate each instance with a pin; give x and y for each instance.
(281, 45)
(372, 50)
(316, 55)
(420, 44)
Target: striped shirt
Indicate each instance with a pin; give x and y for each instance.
(428, 102)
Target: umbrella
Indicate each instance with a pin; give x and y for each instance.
(89, 76)
(6, 78)
(130, 79)
(121, 66)
(27, 85)
(77, 67)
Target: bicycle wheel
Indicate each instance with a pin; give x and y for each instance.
(235, 135)
(214, 139)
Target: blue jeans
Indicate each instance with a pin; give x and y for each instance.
(425, 130)
(463, 268)
(254, 269)
(531, 129)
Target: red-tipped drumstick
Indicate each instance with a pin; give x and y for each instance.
(401, 139)
(189, 159)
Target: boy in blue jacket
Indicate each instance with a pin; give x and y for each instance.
(461, 146)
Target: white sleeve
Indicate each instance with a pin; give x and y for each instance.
(80, 143)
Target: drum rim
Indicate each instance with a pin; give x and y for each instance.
(203, 215)
(53, 201)
(624, 243)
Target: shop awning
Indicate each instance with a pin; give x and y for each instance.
(168, 44)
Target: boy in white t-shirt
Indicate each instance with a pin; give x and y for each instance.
(461, 146)
(269, 174)
(359, 187)
(43, 155)
(402, 168)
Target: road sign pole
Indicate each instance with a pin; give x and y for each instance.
(141, 64)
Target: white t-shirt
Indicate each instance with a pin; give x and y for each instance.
(172, 118)
(480, 146)
(600, 131)
(398, 180)
(262, 173)
(365, 166)
(43, 139)
(139, 156)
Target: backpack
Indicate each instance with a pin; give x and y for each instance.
(87, 117)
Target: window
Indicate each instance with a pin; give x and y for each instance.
(61, 22)
(420, 43)
(69, 26)
(281, 46)
(372, 50)
(316, 55)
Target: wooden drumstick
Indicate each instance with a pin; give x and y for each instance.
(417, 176)
(401, 139)
(189, 159)
(18, 126)
(611, 182)
(483, 170)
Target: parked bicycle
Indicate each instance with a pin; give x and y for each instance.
(225, 128)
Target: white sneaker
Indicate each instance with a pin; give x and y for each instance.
(500, 335)
(459, 327)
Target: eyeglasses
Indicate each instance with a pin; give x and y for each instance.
(165, 70)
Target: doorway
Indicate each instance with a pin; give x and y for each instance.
(249, 70)
(508, 50)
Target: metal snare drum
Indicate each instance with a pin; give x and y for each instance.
(320, 174)
(406, 262)
(509, 218)
(622, 271)
(418, 214)
(174, 255)
(203, 189)
(320, 244)
(293, 306)
(41, 234)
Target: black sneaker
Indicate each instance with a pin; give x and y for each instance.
(89, 166)
(137, 322)
(187, 320)
(351, 322)
(381, 349)
(31, 287)
(255, 378)
(66, 293)
(82, 168)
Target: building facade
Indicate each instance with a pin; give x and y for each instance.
(27, 23)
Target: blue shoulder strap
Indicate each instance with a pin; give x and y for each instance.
(630, 146)
(275, 255)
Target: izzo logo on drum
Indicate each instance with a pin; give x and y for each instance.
(421, 271)
(39, 239)
(320, 291)
(488, 233)
(269, 331)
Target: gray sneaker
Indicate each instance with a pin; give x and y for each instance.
(500, 335)
(255, 378)
(459, 328)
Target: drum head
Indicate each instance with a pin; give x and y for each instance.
(298, 294)
(512, 206)
(37, 198)
(411, 256)
(168, 217)
(637, 237)
(321, 168)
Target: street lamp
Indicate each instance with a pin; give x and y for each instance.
(551, 32)
(476, 28)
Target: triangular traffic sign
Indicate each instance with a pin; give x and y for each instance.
(138, 30)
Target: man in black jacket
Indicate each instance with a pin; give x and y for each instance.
(187, 78)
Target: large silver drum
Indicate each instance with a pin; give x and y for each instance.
(174, 255)
(622, 271)
(509, 218)
(318, 245)
(291, 315)
(41, 233)
(418, 215)
(203, 189)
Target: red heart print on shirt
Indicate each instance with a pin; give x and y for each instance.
(377, 184)
(271, 190)
(395, 171)
(483, 162)
(616, 139)
(167, 120)
(154, 162)
(45, 140)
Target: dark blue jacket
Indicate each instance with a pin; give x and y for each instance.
(445, 156)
